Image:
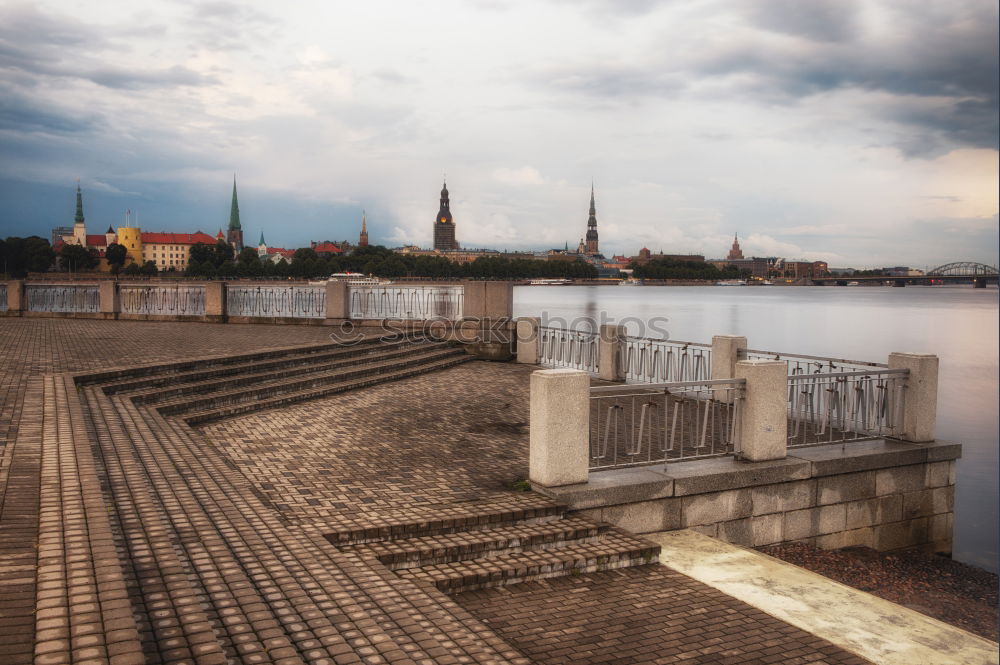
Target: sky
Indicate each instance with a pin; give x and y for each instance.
(859, 132)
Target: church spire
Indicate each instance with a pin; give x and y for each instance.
(591, 245)
(79, 205)
(261, 239)
(363, 237)
(234, 211)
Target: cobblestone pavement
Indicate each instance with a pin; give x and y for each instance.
(217, 532)
(648, 614)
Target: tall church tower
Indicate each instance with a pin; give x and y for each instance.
(234, 235)
(591, 244)
(363, 238)
(735, 253)
(79, 227)
(444, 227)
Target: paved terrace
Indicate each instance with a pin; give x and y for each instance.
(209, 547)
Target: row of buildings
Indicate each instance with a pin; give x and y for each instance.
(171, 251)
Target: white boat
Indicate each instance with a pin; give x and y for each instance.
(854, 283)
(731, 282)
(549, 282)
(767, 282)
(631, 281)
(354, 279)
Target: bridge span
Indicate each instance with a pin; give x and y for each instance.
(959, 272)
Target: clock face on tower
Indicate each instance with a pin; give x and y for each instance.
(444, 220)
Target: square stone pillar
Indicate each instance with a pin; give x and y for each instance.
(527, 340)
(338, 300)
(473, 300)
(498, 300)
(610, 365)
(725, 352)
(764, 430)
(15, 296)
(110, 304)
(559, 447)
(920, 396)
(215, 301)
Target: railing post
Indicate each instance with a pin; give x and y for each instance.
(559, 445)
(610, 346)
(474, 296)
(338, 300)
(109, 300)
(527, 340)
(215, 301)
(498, 300)
(764, 430)
(15, 297)
(920, 396)
(725, 352)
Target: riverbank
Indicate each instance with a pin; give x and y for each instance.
(955, 593)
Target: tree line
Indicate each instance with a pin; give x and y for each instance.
(667, 268)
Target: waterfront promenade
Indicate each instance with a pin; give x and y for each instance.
(211, 545)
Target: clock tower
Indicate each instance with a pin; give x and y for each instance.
(444, 226)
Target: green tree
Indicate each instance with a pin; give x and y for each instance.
(131, 269)
(77, 257)
(223, 252)
(24, 255)
(148, 268)
(202, 252)
(116, 256)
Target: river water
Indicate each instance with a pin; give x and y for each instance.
(958, 323)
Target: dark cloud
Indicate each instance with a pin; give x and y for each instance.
(21, 114)
(142, 78)
(819, 20)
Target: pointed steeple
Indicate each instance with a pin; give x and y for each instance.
(261, 239)
(592, 224)
(79, 205)
(363, 237)
(234, 211)
(364, 222)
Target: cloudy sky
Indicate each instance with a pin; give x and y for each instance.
(862, 132)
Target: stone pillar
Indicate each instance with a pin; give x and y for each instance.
(609, 354)
(498, 300)
(215, 301)
(920, 401)
(527, 340)
(725, 352)
(338, 302)
(559, 445)
(764, 430)
(15, 297)
(110, 305)
(474, 300)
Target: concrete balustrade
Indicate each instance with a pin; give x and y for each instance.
(609, 361)
(920, 402)
(488, 300)
(338, 301)
(110, 301)
(726, 351)
(559, 427)
(764, 431)
(15, 298)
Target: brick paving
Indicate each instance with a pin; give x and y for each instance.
(127, 536)
(648, 614)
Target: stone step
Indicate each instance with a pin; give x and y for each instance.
(298, 370)
(109, 376)
(278, 387)
(436, 520)
(444, 548)
(369, 378)
(170, 376)
(615, 549)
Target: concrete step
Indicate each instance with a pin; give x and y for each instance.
(444, 548)
(221, 367)
(436, 520)
(247, 376)
(615, 549)
(368, 377)
(283, 386)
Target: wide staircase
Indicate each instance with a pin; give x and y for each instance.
(496, 545)
(213, 388)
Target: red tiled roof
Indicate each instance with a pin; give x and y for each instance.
(281, 250)
(177, 238)
(96, 240)
(327, 248)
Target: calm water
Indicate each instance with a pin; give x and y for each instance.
(958, 323)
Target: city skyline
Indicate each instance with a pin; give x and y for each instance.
(859, 133)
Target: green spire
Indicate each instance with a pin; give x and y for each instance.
(234, 211)
(79, 205)
(261, 239)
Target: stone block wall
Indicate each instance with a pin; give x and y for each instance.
(881, 494)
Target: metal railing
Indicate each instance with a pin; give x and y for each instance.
(801, 364)
(671, 422)
(3, 297)
(300, 302)
(576, 349)
(70, 298)
(162, 300)
(835, 407)
(647, 360)
(409, 303)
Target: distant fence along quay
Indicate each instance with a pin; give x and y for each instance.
(249, 301)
